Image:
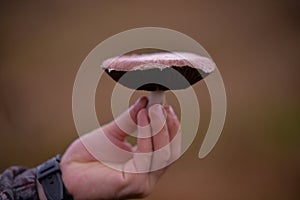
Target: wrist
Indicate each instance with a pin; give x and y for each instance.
(40, 190)
(65, 176)
(50, 183)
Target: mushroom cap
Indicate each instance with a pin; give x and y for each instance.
(158, 71)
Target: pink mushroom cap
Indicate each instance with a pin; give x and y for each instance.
(158, 71)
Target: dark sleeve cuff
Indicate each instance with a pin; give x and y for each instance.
(18, 183)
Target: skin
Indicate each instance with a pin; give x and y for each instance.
(87, 178)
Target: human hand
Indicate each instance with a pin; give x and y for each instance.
(140, 166)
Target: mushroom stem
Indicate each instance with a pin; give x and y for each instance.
(156, 97)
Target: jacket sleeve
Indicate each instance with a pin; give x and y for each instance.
(18, 183)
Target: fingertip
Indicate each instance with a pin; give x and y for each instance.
(156, 109)
(137, 106)
(166, 109)
(142, 113)
(169, 110)
(143, 117)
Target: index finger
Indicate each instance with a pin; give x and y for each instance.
(126, 123)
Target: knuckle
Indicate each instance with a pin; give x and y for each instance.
(143, 189)
(161, 156)
(135, 186)
(163, 130)
(165, 154)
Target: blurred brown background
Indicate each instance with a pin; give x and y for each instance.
(255, 44)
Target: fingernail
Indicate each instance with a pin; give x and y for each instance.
(142, 100)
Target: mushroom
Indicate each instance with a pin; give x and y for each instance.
(158, 72)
